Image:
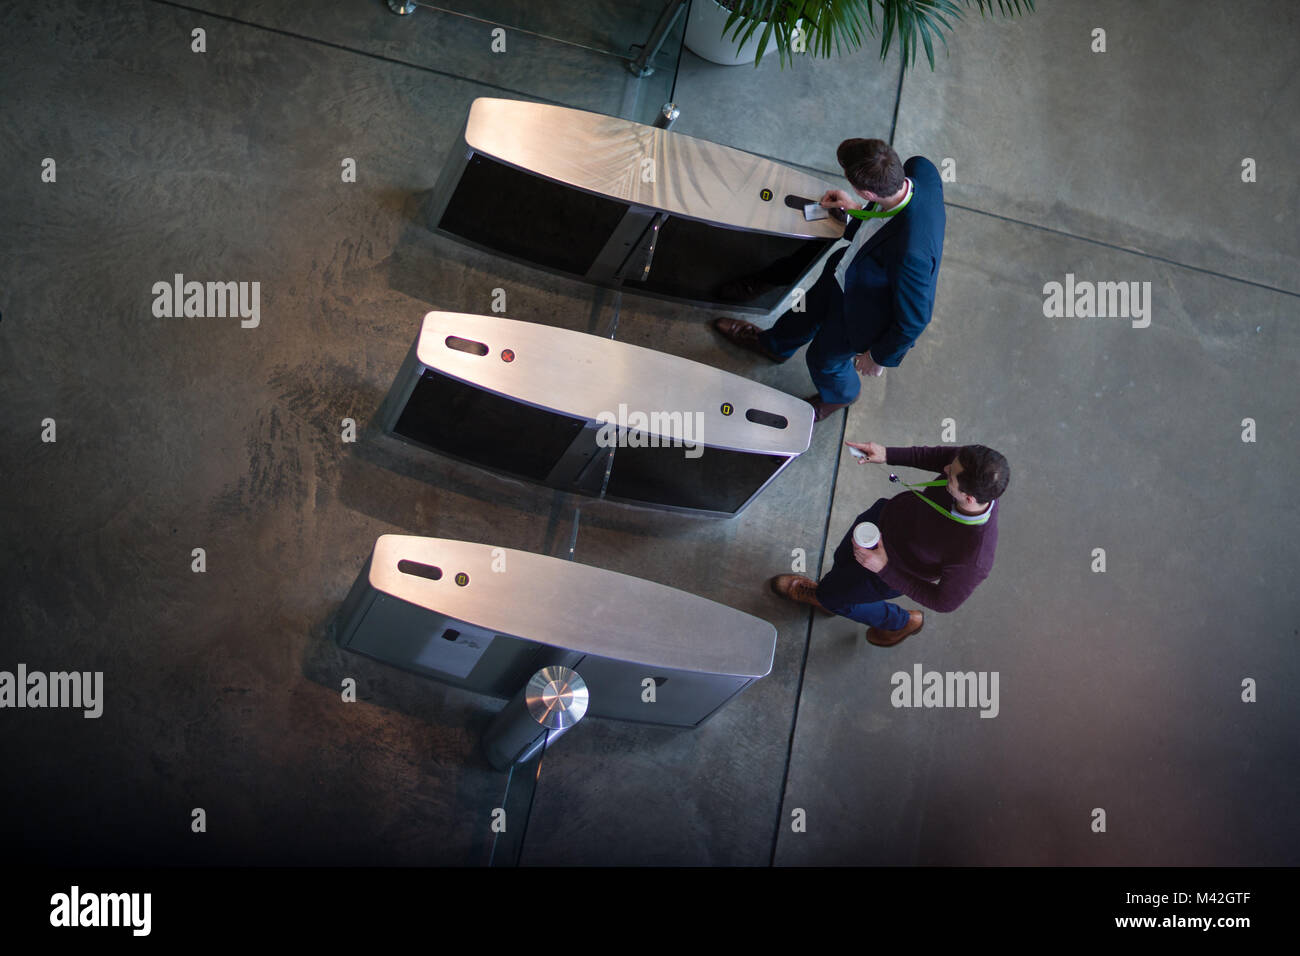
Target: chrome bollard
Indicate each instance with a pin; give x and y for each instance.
(667, 116)
(553, 700)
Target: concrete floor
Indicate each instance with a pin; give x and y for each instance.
(1118, 690)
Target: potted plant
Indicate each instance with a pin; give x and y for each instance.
(749, 27)
(709, 21)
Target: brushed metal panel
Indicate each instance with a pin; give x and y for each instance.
(575, 606)
(603, 154)
(683, 699)
(584, 375)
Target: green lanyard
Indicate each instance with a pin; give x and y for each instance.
(873, 214)
(937, 507)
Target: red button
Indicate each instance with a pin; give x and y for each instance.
(507, 355)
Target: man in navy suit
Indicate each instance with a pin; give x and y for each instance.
(874, 298)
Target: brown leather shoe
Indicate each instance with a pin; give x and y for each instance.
(915, 621)
(796, 587)
(745, 334)
(822, 409)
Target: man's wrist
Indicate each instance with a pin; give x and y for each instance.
(890, 580)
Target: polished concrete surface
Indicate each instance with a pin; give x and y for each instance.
(1119, 691)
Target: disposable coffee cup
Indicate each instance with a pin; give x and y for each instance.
(866, 535)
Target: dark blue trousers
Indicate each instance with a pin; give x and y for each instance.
(852, 591)
(830, 356)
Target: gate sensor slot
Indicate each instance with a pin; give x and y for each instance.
(466, 345)
(760, 417)
(419, 570)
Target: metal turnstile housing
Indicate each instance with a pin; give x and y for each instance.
(492, 617)
(625, 205)
(536, 402)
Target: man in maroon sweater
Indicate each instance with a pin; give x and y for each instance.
(936, 543)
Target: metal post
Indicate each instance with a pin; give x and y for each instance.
(667, 116)
(553, 700)
(667, 20)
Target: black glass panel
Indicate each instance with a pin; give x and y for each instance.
(718, 480)
(469, 423)
(695, 260)
(530, 218)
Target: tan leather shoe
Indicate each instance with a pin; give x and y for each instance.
(796, 587)
(915, 621)
(745, 334)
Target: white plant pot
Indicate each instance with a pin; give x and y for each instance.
(704, 36)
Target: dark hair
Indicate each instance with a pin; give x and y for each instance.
(984, 473)
(871, 164)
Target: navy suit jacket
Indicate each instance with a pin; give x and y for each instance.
(889, 287)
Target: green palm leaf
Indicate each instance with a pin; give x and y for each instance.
(844, 25)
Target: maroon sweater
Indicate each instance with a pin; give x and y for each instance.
(923, 545)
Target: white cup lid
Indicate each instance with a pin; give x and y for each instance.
(866, 535)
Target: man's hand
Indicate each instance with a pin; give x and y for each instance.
(838, 199)
(866, 365)
(873, 559)
(873, 451)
